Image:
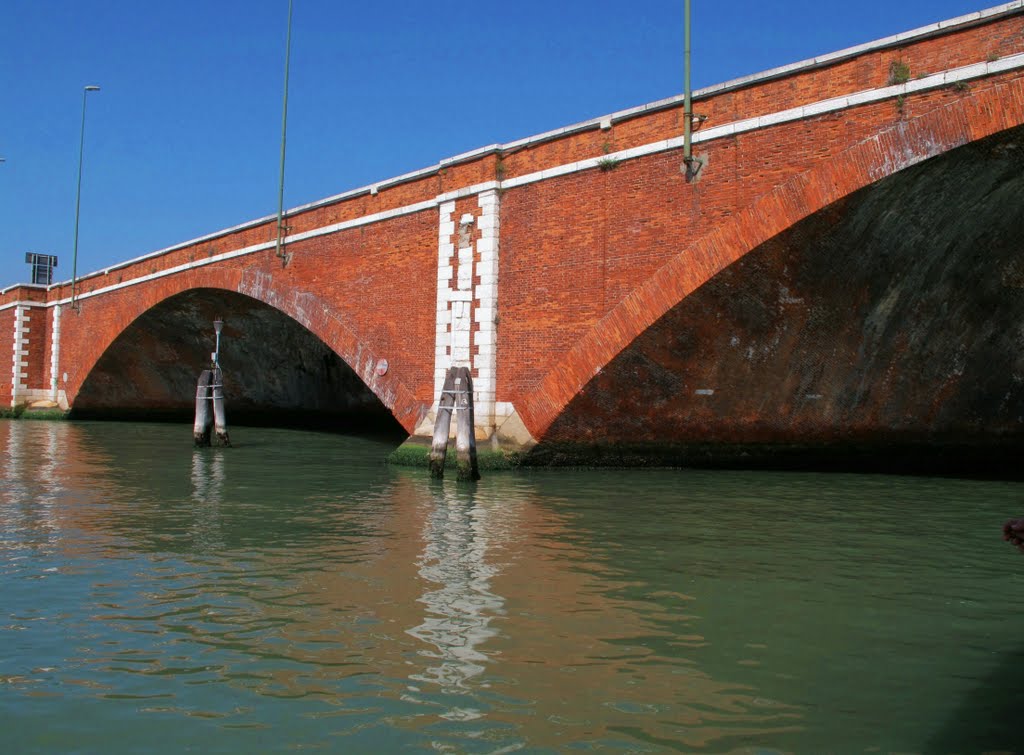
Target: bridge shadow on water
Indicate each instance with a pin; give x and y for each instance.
(988, 719)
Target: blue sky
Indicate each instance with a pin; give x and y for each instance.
(184, 137)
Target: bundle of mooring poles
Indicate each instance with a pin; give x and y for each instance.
(210, 416)
(456, 395)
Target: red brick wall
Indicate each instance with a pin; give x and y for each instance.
(37, 321)
(828, 158)
(6, 355)
(367, 292)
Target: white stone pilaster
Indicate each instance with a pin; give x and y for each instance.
(55, 355)
(485, 310)
(19, 372)
(445, 272)
(467, 250)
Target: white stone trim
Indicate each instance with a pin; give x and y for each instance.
(445, 272)
(461, 304)
(55, 353)
(934, 81)
(20, 350)
(485, 314)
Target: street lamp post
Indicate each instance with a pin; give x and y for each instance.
(78, 194)
(284, 256)
(218, 325)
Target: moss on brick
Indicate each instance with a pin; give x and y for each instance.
(22, 412)
(415, 454)
(45, 414)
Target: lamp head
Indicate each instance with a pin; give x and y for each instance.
(218, 324)
(92, 88)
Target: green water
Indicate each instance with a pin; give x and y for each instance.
(295, 592)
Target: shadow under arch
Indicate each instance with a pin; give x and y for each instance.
(979, 114)
(276, 370)
(879, 333)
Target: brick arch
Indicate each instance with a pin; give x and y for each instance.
(973, 116)
(314, 313)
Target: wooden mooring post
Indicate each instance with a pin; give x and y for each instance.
(456, 395)
(202, 427)
(210, 415)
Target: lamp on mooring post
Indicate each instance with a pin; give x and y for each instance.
(78, 194)
(210, 395)
(218, 325)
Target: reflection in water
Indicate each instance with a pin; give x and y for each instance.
(270, 596)
(32, 488)
(207, 494)
(460, 609)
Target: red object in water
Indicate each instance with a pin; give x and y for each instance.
(1013, 532)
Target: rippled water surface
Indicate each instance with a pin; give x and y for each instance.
(294, 591)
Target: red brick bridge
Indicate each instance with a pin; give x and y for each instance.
(846, 268)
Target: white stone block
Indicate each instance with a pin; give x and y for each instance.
(825, 106)
(774, 119)
(972, 71)
(445, 273)
(872, 95)
(484, 337)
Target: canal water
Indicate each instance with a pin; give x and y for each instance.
(296, 592)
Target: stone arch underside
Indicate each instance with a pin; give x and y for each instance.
(275, 369)
(888, 313)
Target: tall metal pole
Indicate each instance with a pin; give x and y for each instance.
(687, 94)
(687, 104)
(78, 194)
(284, 133)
